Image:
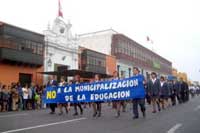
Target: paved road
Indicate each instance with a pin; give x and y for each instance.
(184, 118)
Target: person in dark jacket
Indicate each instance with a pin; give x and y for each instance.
(52, 82)
(164, 92)
(61, 105)
(77, 81)
(117, 104)
(172, 92)
(184, 91)
(177, 88)
(153, 89)
(138, 101)
(97, 105)
(148, 98)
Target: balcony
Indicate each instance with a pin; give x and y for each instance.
(21, 56)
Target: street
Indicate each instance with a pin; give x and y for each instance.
(183, 118)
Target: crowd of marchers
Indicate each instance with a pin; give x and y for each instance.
(161, 94)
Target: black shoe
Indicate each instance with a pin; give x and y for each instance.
(94, 115)
(135, 117)
(99, 115)
(144, 114)
(67, 111)
(154, 111)
(52, 113)
(75, 114)
(118, 115)
(60, 113)
(81, 112)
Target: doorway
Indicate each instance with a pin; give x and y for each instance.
(25, 79)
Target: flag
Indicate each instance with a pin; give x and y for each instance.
(60, 14)
(149, 40)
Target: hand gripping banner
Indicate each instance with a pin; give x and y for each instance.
(122, 89)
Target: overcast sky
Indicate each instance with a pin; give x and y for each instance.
(173, 25)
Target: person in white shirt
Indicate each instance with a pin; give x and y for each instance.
(164, 92)
(25, 96)
(153, 89)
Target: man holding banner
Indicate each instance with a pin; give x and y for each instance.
(52, 83)
(61, 105)
(97, 105)
(138, 101)
(78, 104)
(117, 103)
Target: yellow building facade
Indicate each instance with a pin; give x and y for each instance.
(180, 75)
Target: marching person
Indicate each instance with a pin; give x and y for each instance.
(184, 91)
(77, 81)
(153, 88)
(172, 92)
(117, 103)
(61, 105)
(164, 93)
(52, 82)
(138, 101)
(148, 98)
(124, 102)
(97, 105)
(177, 89)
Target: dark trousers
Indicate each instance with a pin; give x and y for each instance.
(33, 103)
(80, 107)
(183, 96)
(52, 107)
(179, 97)
(25, 104)
(186, 96)
(141, 103)
(173, 99)
(97, 107)
(10, 104)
